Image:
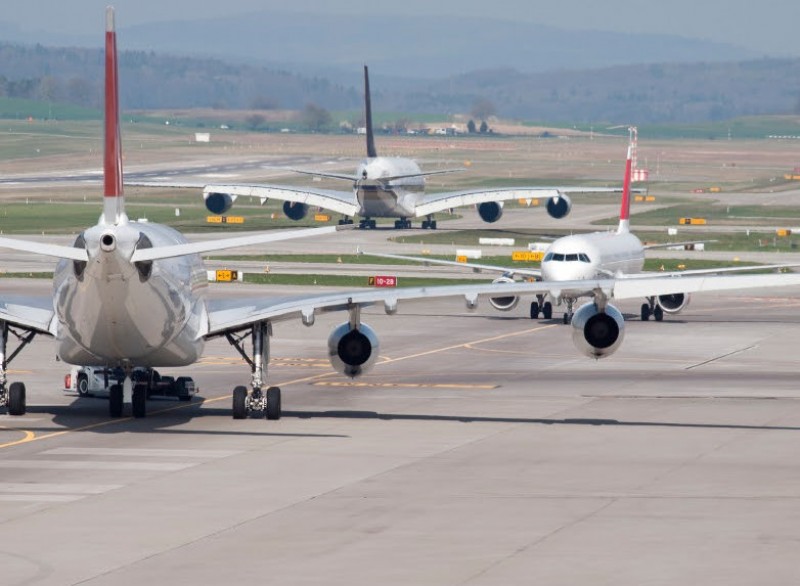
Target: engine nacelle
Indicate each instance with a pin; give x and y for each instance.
(674, 303)
(353, 352)
(559, 206)
(490, 211)
(219, 203)
(506, 303)
(295, 210)
(597, 334)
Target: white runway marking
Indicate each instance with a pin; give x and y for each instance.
(98, 465)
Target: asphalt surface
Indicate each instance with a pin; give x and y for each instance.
(482, 449)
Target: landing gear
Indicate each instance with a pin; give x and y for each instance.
(402, 224)
(16, 399)
(139, 401)
(429, 223)
(262, 403)
(652, 308)
(13, 396)
(345, 221)
(115, 401)
(367, 223)
(570, 311)
(538, 306)
(547, 310)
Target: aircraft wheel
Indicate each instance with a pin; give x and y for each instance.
(658, 313)
(16, 399)
(566, 319)
(115, 401)
(239, 402)
(645, 312)
(398, 224)
(83, 386)
(273, 403)
(139, 401)
(534, 310)
(372, 224)
(547, 310)
(433, 224)
(425, 224)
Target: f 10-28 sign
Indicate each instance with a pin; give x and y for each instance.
(383, 281)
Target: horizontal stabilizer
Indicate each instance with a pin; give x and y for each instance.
(53, 250)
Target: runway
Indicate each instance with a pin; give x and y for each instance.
(482, 449)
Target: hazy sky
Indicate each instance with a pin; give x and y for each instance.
(767, 26)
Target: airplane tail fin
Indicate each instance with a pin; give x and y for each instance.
(113, 197)
(625, 208)
(371, 152)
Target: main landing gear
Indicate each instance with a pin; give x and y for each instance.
(652, 308)
(12, 396)
(345, 221)
(367, 223)
(259, 402)
(402, 224)
(429, 223)
(540, 306)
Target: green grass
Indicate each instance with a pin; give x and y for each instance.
(347, 280)
(748, 215)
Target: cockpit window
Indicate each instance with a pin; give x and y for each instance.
(548, 257)
(584, 257)
(572, 257)
(558, 256)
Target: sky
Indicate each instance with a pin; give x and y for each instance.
(766, 26)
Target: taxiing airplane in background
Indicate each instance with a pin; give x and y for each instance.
(387, 187)
(134, 294)
(617, 255)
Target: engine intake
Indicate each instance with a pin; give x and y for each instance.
(595, 333)
(218, 203)
(506, 303)
(490, 211)
(353, 352)
(674, 303)
(559, 206)
(295, 210)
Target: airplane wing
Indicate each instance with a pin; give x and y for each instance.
(147, 254)
(342, 176)
(232, 314)
(438, 202)
(227, 315)
(32, 313)
(343, 202)
(476, 267)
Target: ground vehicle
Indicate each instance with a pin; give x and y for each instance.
(96, 381)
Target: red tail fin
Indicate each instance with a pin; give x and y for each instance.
(625, 208)
(113, 209)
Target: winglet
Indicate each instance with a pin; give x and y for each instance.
(113, 201)
(625, 208)
(371, 152)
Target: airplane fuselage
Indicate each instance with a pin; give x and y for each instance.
(396, 198)
(595, 255)
(110, 311)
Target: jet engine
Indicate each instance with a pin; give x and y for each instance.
(559, 206)
(674, 303)
(490, 211)
(506, 303)
(596, 333)
(294, 210)
(353, 351)
(219, 203)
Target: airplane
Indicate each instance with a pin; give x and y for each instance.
(617, 255)
(386, 187)
(133, 294)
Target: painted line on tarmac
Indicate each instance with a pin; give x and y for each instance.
(353, 384)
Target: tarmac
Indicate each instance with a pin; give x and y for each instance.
(482, 449)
